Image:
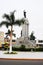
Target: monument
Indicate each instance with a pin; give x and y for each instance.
(25, 27)
(24, 39)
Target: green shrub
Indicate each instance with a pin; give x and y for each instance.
(23, 48)
(6, 46)
(39, 49)
(10, 53)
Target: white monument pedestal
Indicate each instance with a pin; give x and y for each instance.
(24, 39)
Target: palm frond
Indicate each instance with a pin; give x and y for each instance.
(19, 22)
(6, 16)
(6, 36)
(12, 18)
(4, 23)
(22, 21)
(14, 34)
(7, 33)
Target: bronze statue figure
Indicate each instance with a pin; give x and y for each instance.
(24, 13)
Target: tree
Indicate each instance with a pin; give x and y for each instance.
(32, 37)
(10, 21)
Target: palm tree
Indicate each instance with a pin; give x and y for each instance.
(10, 21)
(8, 33)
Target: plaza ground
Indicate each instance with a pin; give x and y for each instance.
(22, 55)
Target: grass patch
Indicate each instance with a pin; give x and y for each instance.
(10, 52)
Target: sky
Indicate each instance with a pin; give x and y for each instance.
(34, 13)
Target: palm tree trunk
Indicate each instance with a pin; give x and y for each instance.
(11, 40)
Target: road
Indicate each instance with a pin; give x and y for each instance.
(21, 62)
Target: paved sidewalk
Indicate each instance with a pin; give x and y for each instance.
(22, 55)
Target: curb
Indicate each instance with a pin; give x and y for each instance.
(21, 59)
